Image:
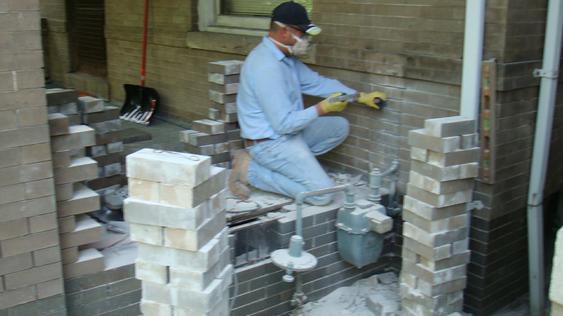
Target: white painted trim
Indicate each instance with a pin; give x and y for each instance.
(211, 20)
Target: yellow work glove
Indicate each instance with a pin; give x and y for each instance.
(374, 99)
(326, 106)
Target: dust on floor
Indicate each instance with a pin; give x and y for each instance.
(376, 295)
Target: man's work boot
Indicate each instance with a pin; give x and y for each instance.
(238, 179)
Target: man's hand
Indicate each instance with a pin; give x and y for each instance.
(325, 106)
(374, 99)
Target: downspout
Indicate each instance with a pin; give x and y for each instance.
(472, 57)
(544, 121)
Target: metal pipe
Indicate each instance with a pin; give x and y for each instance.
(303, 195)
(472, 57)
(542, 139)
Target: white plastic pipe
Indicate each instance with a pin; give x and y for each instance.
(472, 57)
(542, 139)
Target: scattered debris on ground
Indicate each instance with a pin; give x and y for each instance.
(376, 295)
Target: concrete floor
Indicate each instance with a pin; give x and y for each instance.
(164, 133)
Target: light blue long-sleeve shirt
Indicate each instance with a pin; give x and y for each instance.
(269, 100)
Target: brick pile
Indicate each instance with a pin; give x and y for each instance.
(74, 198)
(556, 284)
(176, 212)
(219, 135)
(435, 232)
(108, 149)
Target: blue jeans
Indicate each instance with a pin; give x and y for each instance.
(288, 165)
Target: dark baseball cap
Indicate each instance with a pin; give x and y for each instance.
(294, 14)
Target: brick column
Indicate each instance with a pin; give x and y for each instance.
(176, 211)
(218, 136)
(30, 260)
(435, 233)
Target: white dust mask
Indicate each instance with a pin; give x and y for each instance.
(301, 46)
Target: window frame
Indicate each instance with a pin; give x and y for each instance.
(211, 20)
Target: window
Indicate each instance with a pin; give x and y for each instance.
(249, 17)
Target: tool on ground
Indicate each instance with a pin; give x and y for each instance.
(353, 97)
(141, 102)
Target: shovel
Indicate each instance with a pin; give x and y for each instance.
(141, 102)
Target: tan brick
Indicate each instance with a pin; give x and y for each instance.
(12, 193)
(439, 200)
(88, 104)
(36, 153)
(207, 126)
(84, 200)
(79, 136)
(430, 212)
(434, 239)
(148, 234)
(32, 116)
(15, 263)
(143, 212)
(449, 126)
(16, 297)
(26, 173)
(67, 224)
(45, 256)
(12, 229)
(80, 169)
(33, 276)
(8, 120)
(435, 277)
(10, 157)
(434, 226)
(29, 243)
(22, 98)
(69, 255)
(434, 253)
(439, 187)
(41, 188)
(42, 222)
(419, 138)
(152, 272)
(27, 208)
(455, 172)
(458, 157)
(64, 192)
(62, 159)
(168, 167)
(225, 67)
(194, 239)
(30, 78)
(89, 261)
(57, 96)
(24, 136)
(50, 288)
(196, 280)
(58, 124)
(143, 190)
(87, 231)
(219, 78)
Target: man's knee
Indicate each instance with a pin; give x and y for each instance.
(343, 127)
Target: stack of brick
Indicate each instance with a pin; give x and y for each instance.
(31, 281)
(64, 101)
(219, 135)
(176, 212)
(108, 149)
(435, 232)
(74, 198)
(556, 286)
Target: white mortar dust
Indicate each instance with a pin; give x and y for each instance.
(376, 295)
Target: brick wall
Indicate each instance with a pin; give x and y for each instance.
(112, 292)
(260, 289)
(56, 39)
(30, 263)
(410, 49)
